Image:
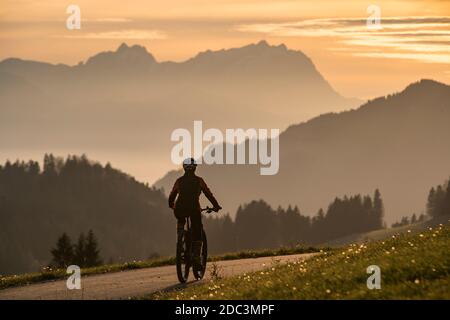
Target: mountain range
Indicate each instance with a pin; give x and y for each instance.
(397, 143)
(122, 105)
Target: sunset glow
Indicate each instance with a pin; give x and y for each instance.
(415, 35)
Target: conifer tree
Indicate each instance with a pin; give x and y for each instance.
(63, 253)
(91, 251)
(79, 251)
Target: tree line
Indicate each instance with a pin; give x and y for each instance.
(133, 222)
(71, 195)
(258, 225)
(438, 203)
(405, 220)
(85, 253)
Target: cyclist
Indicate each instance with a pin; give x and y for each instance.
(188, 188)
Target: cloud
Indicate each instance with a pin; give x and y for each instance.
(424, 57)
(113, 20)
(131, 34)
(419, 38)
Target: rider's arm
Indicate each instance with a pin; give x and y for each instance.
(208, 193)
(173, 194)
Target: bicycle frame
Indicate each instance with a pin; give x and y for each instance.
(187, 229)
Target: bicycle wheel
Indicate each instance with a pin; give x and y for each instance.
(199, 273)
(183, 257)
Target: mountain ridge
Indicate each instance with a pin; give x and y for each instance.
(124, 49)
(387, 139)
(125, 101)
(249, 59)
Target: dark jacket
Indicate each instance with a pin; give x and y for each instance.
(188, 188)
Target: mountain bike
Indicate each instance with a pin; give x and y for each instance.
(184, 252)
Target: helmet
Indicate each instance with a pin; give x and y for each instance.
(189, 164)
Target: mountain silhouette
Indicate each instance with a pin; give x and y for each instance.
(124, 57)
(397, 143)
(122, 105)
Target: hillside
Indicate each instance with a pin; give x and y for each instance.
(397, 143)
(382, 234)
(75, 195)
(132, 221)
(412, 267)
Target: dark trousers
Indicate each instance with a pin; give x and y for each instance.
(196, 224)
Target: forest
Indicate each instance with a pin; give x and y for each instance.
(132, 221)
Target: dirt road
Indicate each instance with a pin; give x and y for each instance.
(135, 283)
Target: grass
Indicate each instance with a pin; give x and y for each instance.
(57, 274)
(267, 253)
(412, 267)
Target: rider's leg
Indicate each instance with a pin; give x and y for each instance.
(197, 228)
(180, 226)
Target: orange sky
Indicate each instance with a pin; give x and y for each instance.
(414, 42)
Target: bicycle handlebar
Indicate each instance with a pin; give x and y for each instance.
(207, 209)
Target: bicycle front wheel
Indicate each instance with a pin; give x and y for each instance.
(200, 272)
(183, 262)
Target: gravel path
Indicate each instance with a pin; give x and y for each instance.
(135, 283)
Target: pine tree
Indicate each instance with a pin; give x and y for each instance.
(378, 209)
(318, 226)
(49, 165)
(446, 201)
(439, 200)
(63, 253)
(431, 203)
(91, 251)
(79, 254)
(368, 217)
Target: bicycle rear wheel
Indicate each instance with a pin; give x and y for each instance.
(199, 273)
(183, 257)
